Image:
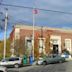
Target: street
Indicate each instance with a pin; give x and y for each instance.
(60, 67)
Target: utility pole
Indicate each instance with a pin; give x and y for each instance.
(1, 13)
(41, 31)
(6, 20)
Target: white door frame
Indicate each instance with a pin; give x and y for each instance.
(58, 41)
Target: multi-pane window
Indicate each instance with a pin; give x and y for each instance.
(41, 42)
(68, 44)
(41, 45)
(28, 45)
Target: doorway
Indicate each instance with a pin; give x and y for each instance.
(55, 49)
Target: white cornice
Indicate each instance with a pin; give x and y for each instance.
(44, 28)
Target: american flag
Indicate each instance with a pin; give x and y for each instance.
(35, 11)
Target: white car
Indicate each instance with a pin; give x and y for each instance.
(66, 56)
(3, 69)
(40, 61)
(14, 61)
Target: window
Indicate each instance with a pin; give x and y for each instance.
(68, 44)
(29, 44)
(41, 42)
(13, 59)
(16, 59)
(4, 60)
(42, 45)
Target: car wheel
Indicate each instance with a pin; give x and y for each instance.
(44, 63)
(16, 65)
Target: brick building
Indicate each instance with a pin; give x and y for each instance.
(46, 40)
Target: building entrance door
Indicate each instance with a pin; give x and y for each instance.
(55, 49)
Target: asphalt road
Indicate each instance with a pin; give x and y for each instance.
(60, 67)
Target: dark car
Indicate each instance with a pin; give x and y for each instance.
(53, 59)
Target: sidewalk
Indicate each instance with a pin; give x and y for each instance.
(34, 64)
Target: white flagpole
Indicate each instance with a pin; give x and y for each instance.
(6, 18)
(33, 31)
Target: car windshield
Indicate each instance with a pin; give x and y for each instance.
(53, 55)
(3, 60)
(10, 59)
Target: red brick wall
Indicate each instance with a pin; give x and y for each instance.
(12, 34)
(63, 35)
(46, 35)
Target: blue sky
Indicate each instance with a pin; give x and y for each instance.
(43, 18)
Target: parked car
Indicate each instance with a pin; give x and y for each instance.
(65, 55)
(3, 69)
(40, 61)
(14, 61)
(68, 57)
(53, 59)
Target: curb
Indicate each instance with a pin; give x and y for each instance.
(26, 65)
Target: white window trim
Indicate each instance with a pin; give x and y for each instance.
(40, 50)
(57, 37)
(69, 44)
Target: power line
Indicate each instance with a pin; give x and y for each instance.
(35, 8)
(16, 6)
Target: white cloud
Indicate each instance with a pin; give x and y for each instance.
(55, 4)
(44, 18)
(53, 18)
